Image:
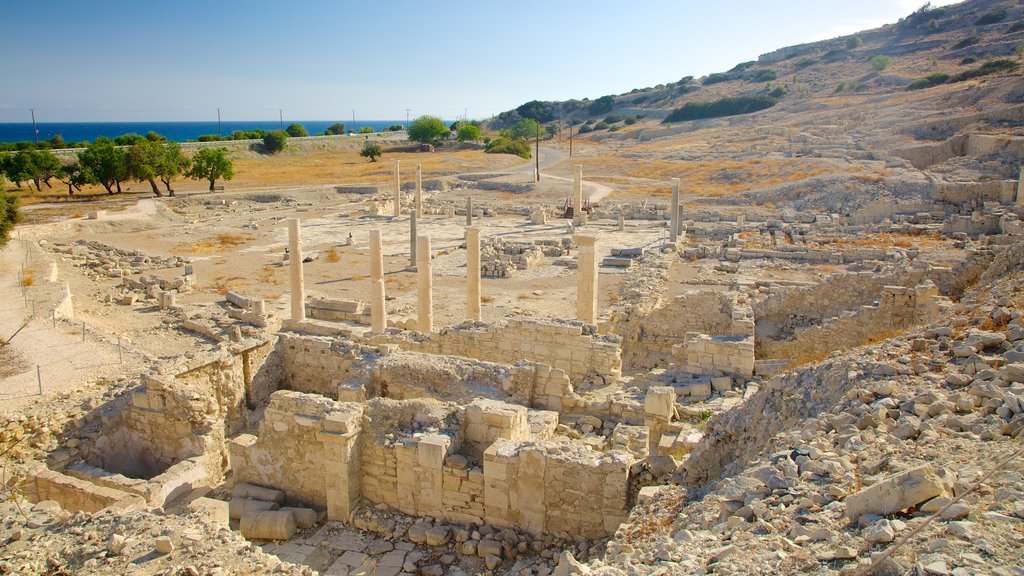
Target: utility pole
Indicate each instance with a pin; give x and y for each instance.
(406, 118)
(219, 133)
(35, 131)
(280, 118)
(353, 120)
(465, 114)
(536, 140)
(570, 134)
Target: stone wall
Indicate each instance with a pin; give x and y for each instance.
(898, 308)
(488, 462)
(38, 483)
(720, 355)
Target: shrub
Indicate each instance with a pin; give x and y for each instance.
(630, 121)
(615, 128)
(371, 150)
(719, 108)
(990, 67)
(202, 138)
(505, 145)
(9, 216)
(601, 126)
(130, 138)
(584, 129)
(366, 130)
(274, 141)
(742, 66)
(427, 130)
(468, 132)
(969, 60)
(613, 118)
(396, 128)
(929, 81)
(602, 105)
(854, 42)
(715, 78)
(297, 130)
(880, 62)
(537, 110)
(335, 129)
(804, 63)
(764, 76)
(969, 41)
(992, 16)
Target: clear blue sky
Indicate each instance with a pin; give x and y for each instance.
(98, 60)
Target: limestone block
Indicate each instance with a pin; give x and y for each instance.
(251, 491)
(239, 507)
(304, 517)
(660, 402)
(895, 493)
(722, 384)
(276, 525)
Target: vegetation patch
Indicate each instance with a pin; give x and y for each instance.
(721, 108)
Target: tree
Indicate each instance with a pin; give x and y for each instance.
(18, 167)
(275, 141)
(211, 164)
(468, 132)
(396, 128)
(36, 166)
(297, 130)
(74, 176)
(144, 158)
(155, 137)
(106, 163)
(602, 105)
(428, 130)
(172, 163)
(9, 216)
(128, 139)
(537, 110)
(366, 130)
(526, 128)
(336, 129)
(371, 150)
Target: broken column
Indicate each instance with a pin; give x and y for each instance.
(469, 210)
(412, 238)
(425, 316)
(1020, 188)
(419, 190)
(577, 195)
(378, 315)
(473, 275)
(673, 211)
(622, 222)
(586, 274)
(298, 291)
(398, 191)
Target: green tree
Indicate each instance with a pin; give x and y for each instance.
(336, 129)
(297, 130)
(602, 105)
(880, 62)
(428, 130)
(74, 176)
(211, 164)
(106, 163)
(128, 139)
(371, 150)
(18, 167)
(275, 140)
(173, 163)
(36, 166)
(854, 42)
(537, 110)
(526, 128)
(366, 130)
(468, 132)
(155, 137)
(144, 158)
(396, 128)
(9, 216)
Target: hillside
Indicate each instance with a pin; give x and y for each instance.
(847, 107)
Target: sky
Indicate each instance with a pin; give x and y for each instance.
(97, 60)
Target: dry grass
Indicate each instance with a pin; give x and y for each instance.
(214, 244)
(805, 360)
(28, 278)
(222, 284)
(487, 299)
(887, 240)
(268, 275)
(332, 255)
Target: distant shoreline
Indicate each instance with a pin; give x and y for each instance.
(176, 131)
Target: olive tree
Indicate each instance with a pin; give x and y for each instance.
(211, 164)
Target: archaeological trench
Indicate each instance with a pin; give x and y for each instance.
(506, 441)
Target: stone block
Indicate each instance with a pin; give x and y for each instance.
(660, 402)
(214, 510)
(895, 493)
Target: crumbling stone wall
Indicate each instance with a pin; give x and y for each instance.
(488, 462)
(38, 483)
(728, 355)
(318, 365)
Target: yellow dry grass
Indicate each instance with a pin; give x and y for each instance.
(214, 244)
(332, 255)
(28, 278)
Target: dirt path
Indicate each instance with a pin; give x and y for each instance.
(65, 362)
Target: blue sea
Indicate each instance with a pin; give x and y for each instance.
(177, 131)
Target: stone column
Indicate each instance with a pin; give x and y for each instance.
(473, 275)
(412, 238)
(469, 210)
(295, 271)
(419, 190)
(622, 222)
(378, 314)
(425, 316)
(586, 275)
(577, 195)
(398, 191)
(1020, 188)
(673, 211)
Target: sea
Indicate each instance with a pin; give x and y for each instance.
(177, 131)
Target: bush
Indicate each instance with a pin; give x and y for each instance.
(969, 60)
(505, 145)
(880, 62)
(336, 129)
(854, 42)
(371, 150)
(366, 130)
(396, 128)
(9, 216)
(630, 121)
(525, 128)
(427, 130)
(613, 118)
(719, 108)
(129, 139)
(764, 76)
(537, 110)
(929, 81)
(969, 41)
(584, 129)
(602, 105)
(991, 17)
(202, 138)
(742, 66)
(715, 78)
(297, 130)
(275, 141)
(468, 132)
(601, 126)
(990, 67)
(804, 63)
